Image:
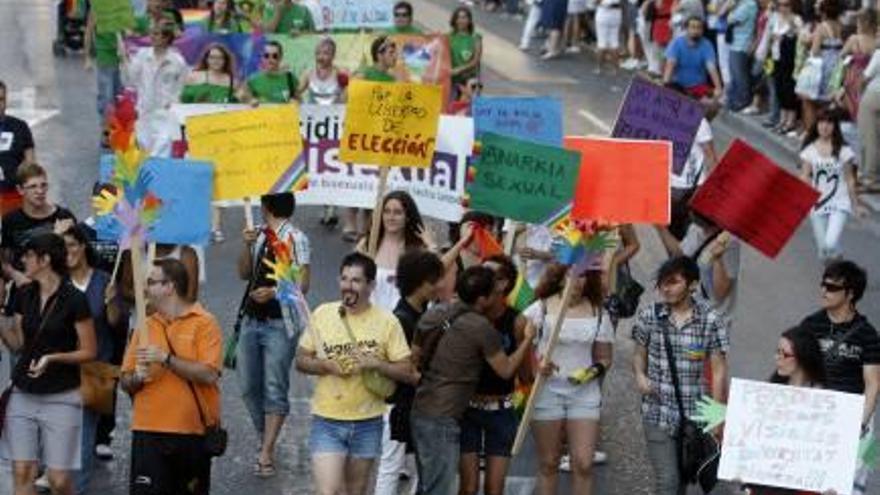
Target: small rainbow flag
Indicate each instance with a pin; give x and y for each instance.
(195, 17)
(522, 294)
(295, 179)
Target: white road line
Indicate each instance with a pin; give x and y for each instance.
(596, 121)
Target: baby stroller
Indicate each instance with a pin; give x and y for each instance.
(71, 27)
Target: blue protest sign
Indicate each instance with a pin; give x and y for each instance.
(535, 119)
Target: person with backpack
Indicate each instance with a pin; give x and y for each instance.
(272, 84)
(451, 344)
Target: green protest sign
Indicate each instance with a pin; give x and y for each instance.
(113, 16)
(521, 180)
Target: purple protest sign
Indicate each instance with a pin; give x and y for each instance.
(656, 113)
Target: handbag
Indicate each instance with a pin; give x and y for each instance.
(97, 385)
(625, 301)
(809, 81)
(215, 438)
(377, 383)
(698, 452)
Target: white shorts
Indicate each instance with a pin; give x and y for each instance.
(608, 22)
(53, 421)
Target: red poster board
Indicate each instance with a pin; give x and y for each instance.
(622, 180)
(753, 198)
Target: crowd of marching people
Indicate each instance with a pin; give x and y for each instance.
(419, 361)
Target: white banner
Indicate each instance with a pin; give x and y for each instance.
(791, 437)
(437, 190)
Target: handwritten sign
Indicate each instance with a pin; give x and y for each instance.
(437, 189)
(520, 180)
(537, 119)
(791, 437)
(391, 124)
(653, 112)
(183, 186)
(357, 13)
(112, 16)
(622, 181)
(755, 199)
(250, 149)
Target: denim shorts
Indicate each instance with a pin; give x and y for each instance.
(361, 439)
(490, 431)
(553, 406)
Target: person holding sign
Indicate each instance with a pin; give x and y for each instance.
(403, 19)
(828, 164)
(683, 331)
(850, 343)
(383, 51)
(569, 403)
(213, 78)
(288, 17)
(272, 84)
(466, 46)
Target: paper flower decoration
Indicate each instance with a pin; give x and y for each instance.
(581, 244)
(710, 412)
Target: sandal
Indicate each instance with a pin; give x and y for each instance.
(264, 470)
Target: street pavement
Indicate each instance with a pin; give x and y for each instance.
(58, 97)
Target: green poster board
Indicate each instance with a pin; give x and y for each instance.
(521, 180)
(113, 16)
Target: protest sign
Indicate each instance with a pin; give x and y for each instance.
(183, 186)
(391, 124)
(652, 112)
(622, 181)
(250, 149)
(437, 189)
(112, 16)
(521, 180)
(791, 437)
(755, 199)
(537, 119)
(357, 14)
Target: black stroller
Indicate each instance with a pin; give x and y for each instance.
(71, 27)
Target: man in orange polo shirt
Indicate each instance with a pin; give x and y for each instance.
(169, 416)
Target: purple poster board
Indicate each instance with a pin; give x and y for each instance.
(656, 113)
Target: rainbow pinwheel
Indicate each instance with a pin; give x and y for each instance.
(581, 244)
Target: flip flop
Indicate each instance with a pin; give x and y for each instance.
(264, 470)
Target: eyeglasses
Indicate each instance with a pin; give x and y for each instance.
(781, 353)
(475, 86)
(272, 55)
(832, 287)
(152, 281)
(33, 187)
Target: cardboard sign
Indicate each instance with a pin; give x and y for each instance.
(250, 149)
(391, 124)
(521, 180)
(356, 14)
(112, 16)
(622, 181)
(755, 199)
(537, 119)
(183, 186)
(653, 112)
(791, 437)
(437, 189)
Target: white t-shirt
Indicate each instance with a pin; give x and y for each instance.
(828, 178)
(695, 160)
(574, 350)
(386, 294)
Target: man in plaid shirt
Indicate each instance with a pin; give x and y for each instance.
(696, 333)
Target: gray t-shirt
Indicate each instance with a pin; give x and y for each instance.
(450, 378)
(693, 239)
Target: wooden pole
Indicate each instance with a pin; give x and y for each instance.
(548, 354)
(373, 244)
(248, 213)
(116, 264)
(510, 237)
(140, 303)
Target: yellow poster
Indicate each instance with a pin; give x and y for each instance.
(251, 149)
(391, 124)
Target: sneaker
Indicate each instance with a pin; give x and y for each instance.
(565, 463)
(629, 64)
(42, 483)
(524, 48)
(573, 49)
(103, 452)
(600, 457)
(750, 110)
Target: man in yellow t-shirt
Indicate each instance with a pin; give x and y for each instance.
(348, 342)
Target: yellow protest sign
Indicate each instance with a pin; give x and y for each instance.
(251, 149)
(391, 124)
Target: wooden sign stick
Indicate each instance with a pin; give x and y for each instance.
(510, 237)
(548, 354)
(373, 245)
(140, 304)
(248, 213)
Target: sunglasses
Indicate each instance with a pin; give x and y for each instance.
(475, 86)
(401, 14)
(272, 55)
(785, 355)
(831, 287)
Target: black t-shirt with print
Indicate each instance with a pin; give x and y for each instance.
(15, 139)
(64, 308)
(19, 227)
(844, 363)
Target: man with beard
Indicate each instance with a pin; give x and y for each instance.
(352, 347)
(690, 58)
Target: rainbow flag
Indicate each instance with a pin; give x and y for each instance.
(195, 17)
(522, 294)
(295, 179)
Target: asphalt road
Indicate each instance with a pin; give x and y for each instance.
(58, 96)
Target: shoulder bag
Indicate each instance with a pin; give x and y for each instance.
(377, 383)
(625, 301)
(698, 452)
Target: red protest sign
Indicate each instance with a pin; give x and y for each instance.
(622, 180)
(755, 199)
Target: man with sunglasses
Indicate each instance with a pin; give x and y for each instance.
(271, 84)
(850, 344)
(403, 19)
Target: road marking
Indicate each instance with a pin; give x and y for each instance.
(596, 121)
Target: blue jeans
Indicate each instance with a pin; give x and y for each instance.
(739, 92)
(360, 439)
(89, 430)
(264, 356)
(436, 440)
(109, 85)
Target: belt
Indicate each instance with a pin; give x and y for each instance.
(491, 404)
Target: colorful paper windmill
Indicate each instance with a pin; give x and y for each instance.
(581, 244)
